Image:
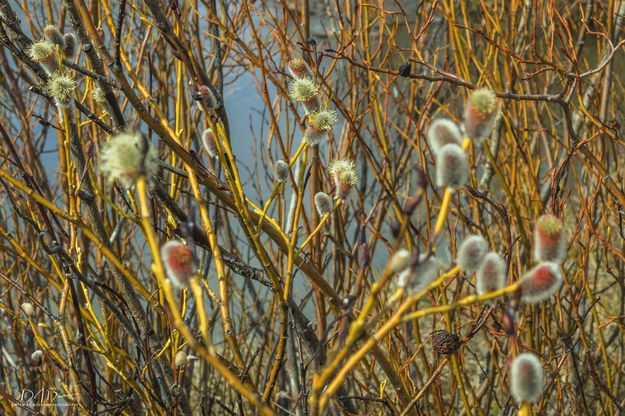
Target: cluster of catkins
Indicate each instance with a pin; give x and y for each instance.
(445, 137)
(537, 285)
(60, 85)
(415, 272)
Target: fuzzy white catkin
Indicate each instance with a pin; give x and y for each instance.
(491, 275)
(123, 158)
(443, 131)
(419, 277)
(540, 283)
(180, 359)
(323, 203)
(400, 260)
(526, 378)
(208, 141)
(452, 166)
(28, 309)
(471, 253)
(281, 171)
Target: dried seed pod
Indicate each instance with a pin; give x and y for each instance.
(480, 114)
(471, 253)
(179, 262)
(323, 203)
(443, 131)
(400, 261)
(28, 309)
(549, 239)
(526, 378)
(452, 166)
(491, 275)
(540, 283)
(445, 343)
(281, 171)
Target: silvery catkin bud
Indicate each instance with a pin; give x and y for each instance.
(452, 166)
(70, 45)
(471, 253)
(323, 203)
(37, 357)
(281, 171)
(28, 309)
(443, 131)
(480, 114)
(180, 359)
(526, 378)
(491, 275)
(208, 141)
(549, 239)
(540, 283)
(400, 261)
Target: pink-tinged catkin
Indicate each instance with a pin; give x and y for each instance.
(179, 262)
(299, 68)
(471, 253)
(491, 275)
(540, 283)
(549, 239)
(452, 166)
(480, 114)
(344, 176)
(526, 378)
(443, 131)
(208, 141)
